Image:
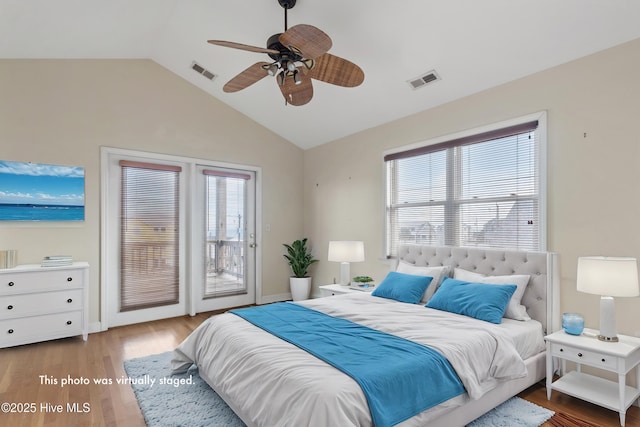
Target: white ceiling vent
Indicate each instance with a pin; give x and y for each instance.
(201, 70)
(423, 80)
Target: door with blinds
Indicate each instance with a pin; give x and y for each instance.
(146, 258)
(224, 261)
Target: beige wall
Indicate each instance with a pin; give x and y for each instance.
(63, 111)
(593, 191)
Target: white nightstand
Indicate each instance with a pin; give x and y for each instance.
(330, 290)
(619, 357)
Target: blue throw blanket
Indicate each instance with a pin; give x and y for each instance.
(418, 378)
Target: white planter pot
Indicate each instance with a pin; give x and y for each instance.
(300, 287)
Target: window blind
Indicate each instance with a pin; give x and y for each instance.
(149, 268)
(482, 190)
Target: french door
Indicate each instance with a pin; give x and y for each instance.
(179, 236)
(224, 226)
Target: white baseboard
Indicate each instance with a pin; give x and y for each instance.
(95, 327)
(268, 299)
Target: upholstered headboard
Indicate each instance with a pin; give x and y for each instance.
(541, 295)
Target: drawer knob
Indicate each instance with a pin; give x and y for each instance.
(69, 300)
(11, 283)
(603, 359)
(561, 350)
(69, 279)
(10, 307)
(579, 354)
(69, 322)
(10, 331)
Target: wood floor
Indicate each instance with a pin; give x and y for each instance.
(27, 373)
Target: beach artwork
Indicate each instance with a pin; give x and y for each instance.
(41, 192)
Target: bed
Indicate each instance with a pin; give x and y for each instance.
(268, 381)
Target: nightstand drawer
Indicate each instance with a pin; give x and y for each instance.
(586, 357)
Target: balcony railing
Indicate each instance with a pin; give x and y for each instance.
(225, 257)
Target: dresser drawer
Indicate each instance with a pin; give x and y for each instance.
(43, 303)
(33, 281)
(29, 329)
(584, 356)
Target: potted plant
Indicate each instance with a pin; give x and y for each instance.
(299, 258)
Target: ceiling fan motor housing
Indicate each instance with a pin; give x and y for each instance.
(284, 53)
(287, 4)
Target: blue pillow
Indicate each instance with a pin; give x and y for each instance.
(482, 301)
(403, 287)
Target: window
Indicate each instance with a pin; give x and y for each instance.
(480, 189)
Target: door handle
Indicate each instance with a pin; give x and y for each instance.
(253, 245)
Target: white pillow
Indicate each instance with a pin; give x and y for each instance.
(438, 274)
(515, 310)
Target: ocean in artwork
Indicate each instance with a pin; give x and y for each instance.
(15, 212)
(41, 192)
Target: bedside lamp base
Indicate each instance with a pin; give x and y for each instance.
(607, 339)
(607, 320)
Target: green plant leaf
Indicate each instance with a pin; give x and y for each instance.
(299, 257)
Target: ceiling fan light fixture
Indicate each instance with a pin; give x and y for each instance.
(273, 69)
(296, 77)
(291, 66)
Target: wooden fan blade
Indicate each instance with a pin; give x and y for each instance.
(306, 40)
(337, 71)
(242, 46)
(246, 78)
(297, 94)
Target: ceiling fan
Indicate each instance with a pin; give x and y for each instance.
(299, 55)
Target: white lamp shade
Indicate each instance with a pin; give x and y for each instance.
(346, 251)
(611, 276)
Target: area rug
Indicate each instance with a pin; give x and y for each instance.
(515, 412)
(186, 400)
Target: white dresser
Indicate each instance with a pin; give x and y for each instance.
(43, 303)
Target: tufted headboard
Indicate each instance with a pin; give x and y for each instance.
(542, 294)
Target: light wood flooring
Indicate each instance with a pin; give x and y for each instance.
(23, 370)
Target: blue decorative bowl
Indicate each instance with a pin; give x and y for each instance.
(572, 323)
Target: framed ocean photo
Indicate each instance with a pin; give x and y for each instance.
(41, 192)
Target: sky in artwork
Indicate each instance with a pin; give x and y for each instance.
(41, 184)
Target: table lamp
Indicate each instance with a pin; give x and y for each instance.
(345, 252)
(608, 277)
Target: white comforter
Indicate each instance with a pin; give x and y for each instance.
(269, 382)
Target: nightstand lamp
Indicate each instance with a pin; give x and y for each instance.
(345, 252)
(608, 277)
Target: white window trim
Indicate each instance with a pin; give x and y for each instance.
(541, 132)
(190, 163)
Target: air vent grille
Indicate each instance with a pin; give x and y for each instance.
(423, 80)
(201, 70)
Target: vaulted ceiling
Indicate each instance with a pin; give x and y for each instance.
(471, 44)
